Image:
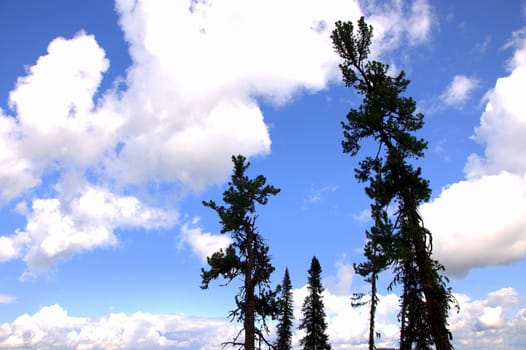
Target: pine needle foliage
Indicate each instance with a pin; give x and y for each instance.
(247, 257)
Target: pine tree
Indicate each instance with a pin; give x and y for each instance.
(313, 310)
(247, 255)
(390, 120)
(286, 315)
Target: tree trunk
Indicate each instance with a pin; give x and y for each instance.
(405, 343)
(250, 301)
(436, 298)
(372, 311)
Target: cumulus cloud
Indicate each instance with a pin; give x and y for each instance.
(486, 212)
(496, 321)
(58, 228)
(459, 90)
(203, 244)
(53, 328)
(55, 125)
(483, 215)
(485, 324)
(197, 73)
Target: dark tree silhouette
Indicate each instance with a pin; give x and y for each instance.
(247, 255)
(286, 315)
(390, 120)
(313, 310)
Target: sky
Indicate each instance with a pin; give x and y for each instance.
(117, 119)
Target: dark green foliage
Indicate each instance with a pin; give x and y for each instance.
(401, 241)
(247, 256)
(286, 315)
(313, 310)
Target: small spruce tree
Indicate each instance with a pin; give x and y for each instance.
(313, 310)
(284, 341)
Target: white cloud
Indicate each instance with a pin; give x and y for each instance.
(341, 283)
(60, 85)
(53, 328)
(57, 123)
(203, 244)
(17, 172)
(481, 221)
(483, 215)
(497, 321)
(459, 90)
(502, 128)
(421, 22)
(8, 248)
(399, 23)
(58, 228)
(484, 324)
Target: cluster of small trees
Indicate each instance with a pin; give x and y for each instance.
(399, 242)
(247, 258)
(313, 321)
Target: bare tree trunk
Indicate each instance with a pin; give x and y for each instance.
(372, 311)
(435, 294)
(250, 302)
(435, 298)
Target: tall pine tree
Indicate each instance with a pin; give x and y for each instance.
(313, 310)
(390, 120)
(247, 255)
(284, 341)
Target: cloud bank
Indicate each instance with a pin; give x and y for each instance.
(486, 212)
(489, 323)
(53, 328)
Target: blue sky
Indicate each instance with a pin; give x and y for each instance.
(118, 119)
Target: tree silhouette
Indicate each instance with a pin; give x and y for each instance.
(390, 120)
(313, 310)
(247, 255)
(286, 315)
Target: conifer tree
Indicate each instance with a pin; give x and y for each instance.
(247, 255)
(390, 120)
(284, 341)
(313, 310)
